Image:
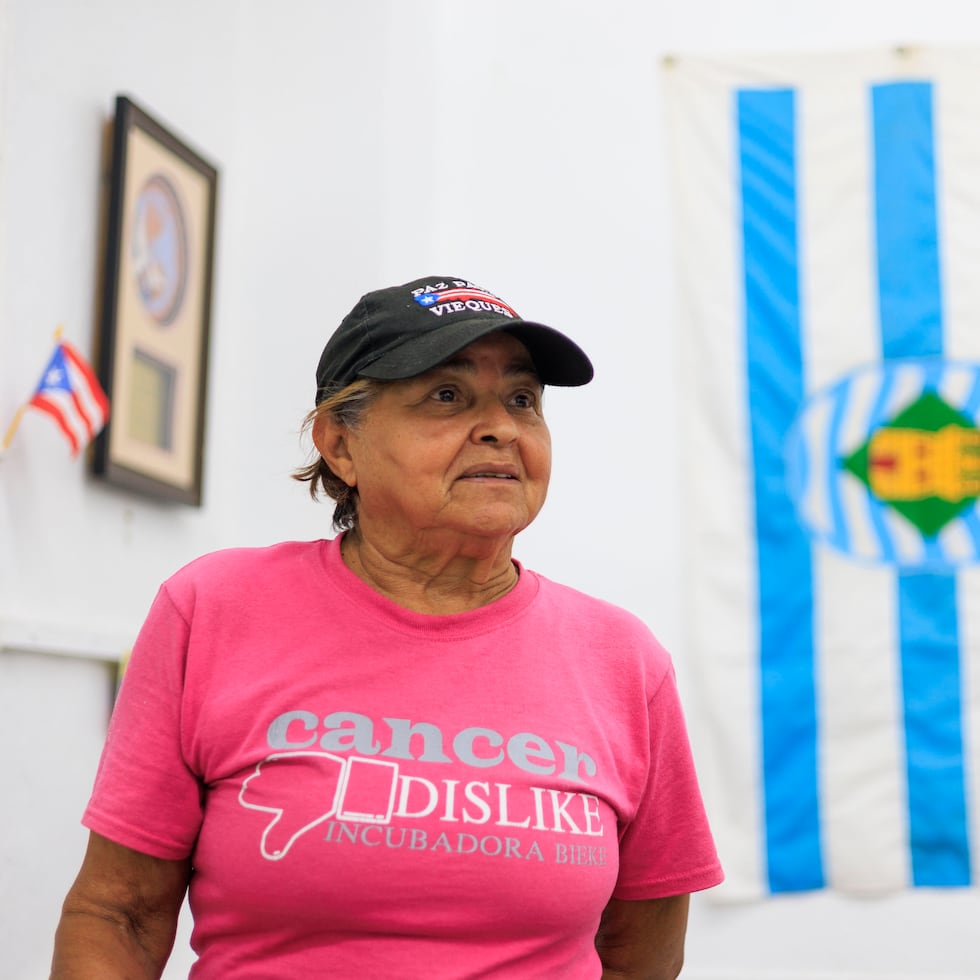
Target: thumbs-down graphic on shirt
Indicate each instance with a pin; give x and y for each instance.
(303, 789)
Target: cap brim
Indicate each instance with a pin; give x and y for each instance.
(557, 359)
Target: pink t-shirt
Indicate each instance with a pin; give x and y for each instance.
(371, 792)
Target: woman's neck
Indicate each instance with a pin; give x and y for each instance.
(429, 577)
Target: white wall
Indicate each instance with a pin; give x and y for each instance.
(516, 142)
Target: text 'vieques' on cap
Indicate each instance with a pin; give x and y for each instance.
(403, 331)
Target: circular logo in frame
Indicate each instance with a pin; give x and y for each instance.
(159, 249)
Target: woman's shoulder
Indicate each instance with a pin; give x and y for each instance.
(577, 601)
(241, 566)
(576, 606)
(612, 636)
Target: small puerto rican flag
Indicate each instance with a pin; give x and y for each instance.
(70, 393)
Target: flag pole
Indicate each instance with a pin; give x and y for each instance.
(11, 429)
(8, 437)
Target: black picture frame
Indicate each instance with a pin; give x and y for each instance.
(156, 310)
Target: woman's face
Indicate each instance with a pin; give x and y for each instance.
(462, 448)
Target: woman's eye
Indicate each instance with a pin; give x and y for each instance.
(445, 395)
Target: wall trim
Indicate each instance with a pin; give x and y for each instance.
(62, 640)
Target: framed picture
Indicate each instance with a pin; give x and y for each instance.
(156, 310)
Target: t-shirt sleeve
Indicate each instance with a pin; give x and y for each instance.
(667, 849)
(145, 796)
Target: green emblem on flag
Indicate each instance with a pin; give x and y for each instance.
(924, 463)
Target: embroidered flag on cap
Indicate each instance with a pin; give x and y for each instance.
(827, 210)
(468, 297)
(70, 393)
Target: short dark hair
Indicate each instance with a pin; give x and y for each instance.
(347, 406)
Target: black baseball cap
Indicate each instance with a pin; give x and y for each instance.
(403, 331)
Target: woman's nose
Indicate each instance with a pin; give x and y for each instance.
(494, 423)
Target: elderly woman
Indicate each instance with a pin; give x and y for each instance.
(399, 753)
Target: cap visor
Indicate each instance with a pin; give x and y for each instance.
(557, 359)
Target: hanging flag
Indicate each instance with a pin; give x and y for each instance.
(70, 393)
(827, 214)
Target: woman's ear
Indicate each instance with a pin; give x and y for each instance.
(330, 438)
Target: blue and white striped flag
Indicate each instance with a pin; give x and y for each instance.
(827, 214)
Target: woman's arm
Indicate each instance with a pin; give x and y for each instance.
(643, 940)
(120, 915)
